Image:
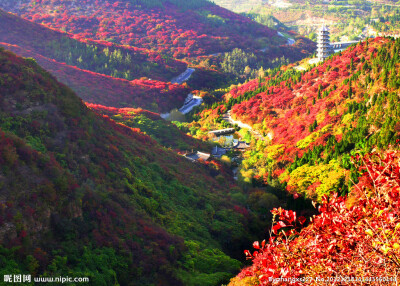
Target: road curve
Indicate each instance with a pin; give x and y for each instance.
(228, 118)
(183, 76)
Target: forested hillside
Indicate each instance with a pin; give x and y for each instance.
(97, 56)
(106, 86)
(348, 20)
(167, 29)
(85, 196)
(135, 39)
(329, 134)
(154, 95)
(239, 5)
(314, 120)
(164, 132)
(94, 182)
(175, 28)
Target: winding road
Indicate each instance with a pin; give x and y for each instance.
(183, 76)
(191, 100)
(228, 118)
(290, 41)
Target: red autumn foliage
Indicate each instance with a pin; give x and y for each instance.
(167, 30)
(40, 39)
(106, 90)
(354, 236)
(87, 180)
(289, 105)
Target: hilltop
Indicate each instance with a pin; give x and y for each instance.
(184, 29)
(175, 28)
(152, 39)
(84, 195)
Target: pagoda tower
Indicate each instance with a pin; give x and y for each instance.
(324, 48)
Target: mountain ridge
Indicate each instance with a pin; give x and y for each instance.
(166, 29)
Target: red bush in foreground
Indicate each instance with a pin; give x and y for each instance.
(355, 236)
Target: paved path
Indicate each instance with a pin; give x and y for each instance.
(290, 41)
(216, 54)
(191, 101)
(235, 172)
(228, 118)
(183, 76)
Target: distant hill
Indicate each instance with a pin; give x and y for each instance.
(175, 28)
(49, 48)
(135, 39)
(96, 88)
(84, 195)
(239, 5)
(101, 57)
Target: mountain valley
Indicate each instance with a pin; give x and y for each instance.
(153, 142)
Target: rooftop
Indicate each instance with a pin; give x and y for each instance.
(197, 156)
(324, 29)
(241, 145)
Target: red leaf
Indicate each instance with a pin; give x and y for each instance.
(278, 226)
(256, 245)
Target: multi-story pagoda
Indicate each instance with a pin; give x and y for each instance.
(324, 48)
